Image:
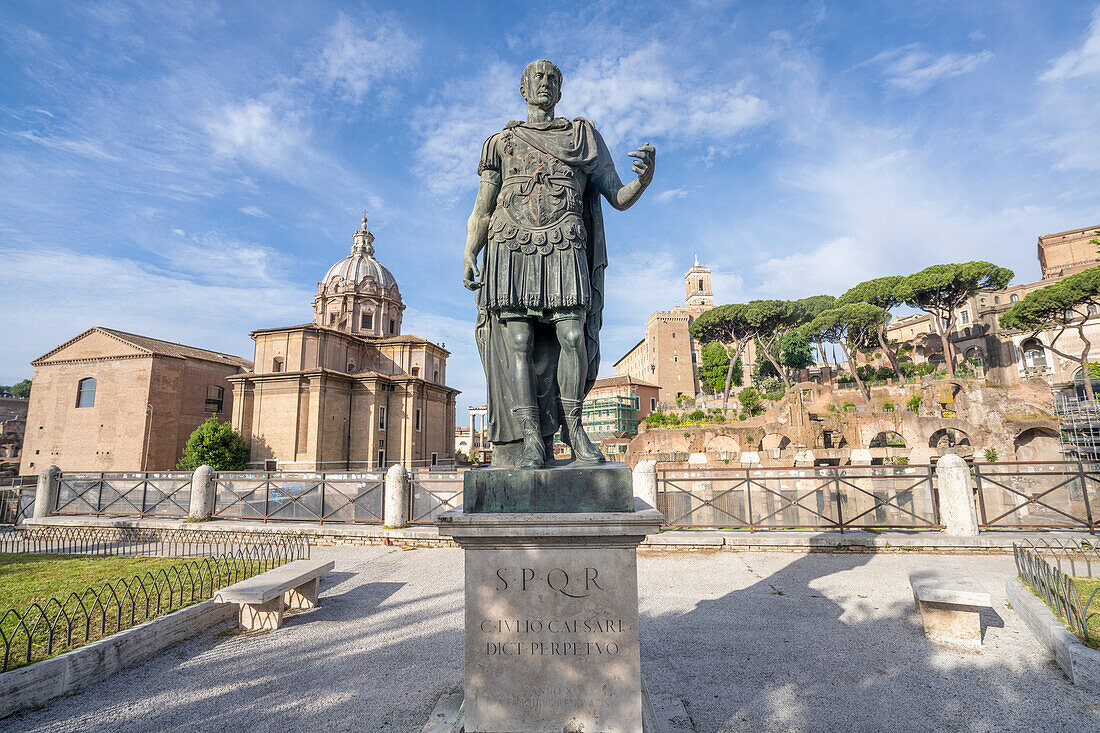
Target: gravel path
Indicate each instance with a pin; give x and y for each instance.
(750, 641)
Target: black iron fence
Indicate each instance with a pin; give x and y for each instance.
(1062, 494)
(844, 497)
(1055, 587)
(57, 625)
(154, 542)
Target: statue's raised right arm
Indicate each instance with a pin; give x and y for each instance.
(623, 197)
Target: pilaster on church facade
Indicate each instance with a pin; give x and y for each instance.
(349, 391)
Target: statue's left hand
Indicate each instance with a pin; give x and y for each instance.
(646, 160)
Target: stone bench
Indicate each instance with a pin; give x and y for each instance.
(264, 598)
(950, 603)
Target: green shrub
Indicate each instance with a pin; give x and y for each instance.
(990, 455)
(214, 444)
(913, 403)
(750, 400)
(888, 406)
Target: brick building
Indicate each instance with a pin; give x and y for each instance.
(667, 356)
(347, 391)
(113, 401)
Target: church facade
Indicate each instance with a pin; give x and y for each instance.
(348, 391)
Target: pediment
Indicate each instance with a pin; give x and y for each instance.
(92, 344)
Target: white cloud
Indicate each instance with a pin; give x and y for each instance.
(1083, 61)
(256, 132)
(631, 97)
(255, 211)
(85, 148)
(673, 193)
(913, 70)
(976, 36)
(358, 54)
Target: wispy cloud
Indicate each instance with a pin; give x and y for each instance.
(671, 194)
(359, 53)
(1071, 85)
(1083, 61)
(912, 70)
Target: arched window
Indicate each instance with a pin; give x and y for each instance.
(85, 393)
(1015, 298)
(215, 398)
(1035, 357)
(700, 284)
(996, 299)
(351, 367)
(1093, 309)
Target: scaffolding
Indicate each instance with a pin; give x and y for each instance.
(1078, 427)
(611, 417)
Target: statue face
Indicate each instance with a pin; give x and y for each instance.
(541, 84)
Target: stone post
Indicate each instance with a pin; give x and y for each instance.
(960, 517)
(202, 493)
(45, 497)
(395, 513)
(645, 482)
(860, 457)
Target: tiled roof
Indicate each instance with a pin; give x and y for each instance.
(169, 348)
(621, 382)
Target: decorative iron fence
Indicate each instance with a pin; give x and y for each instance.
(1070, 556)
(309, 497)
(433, 493)
(58, 625)
(1063, 494)
(1055, 587)
(153, 542)
(139, 494)
(844, 497)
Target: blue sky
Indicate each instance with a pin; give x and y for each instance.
(189, 171)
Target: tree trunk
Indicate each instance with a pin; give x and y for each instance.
(855, 372)
(1085, 362)
(888, 351)
(821, 353)
(729, 371)
(778, 368)
(948, 358)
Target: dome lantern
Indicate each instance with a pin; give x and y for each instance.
(358, 295)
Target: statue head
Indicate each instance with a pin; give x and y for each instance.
(540, 84)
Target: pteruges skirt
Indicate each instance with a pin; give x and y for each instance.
(535, 270)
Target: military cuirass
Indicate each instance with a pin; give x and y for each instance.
(540, 200)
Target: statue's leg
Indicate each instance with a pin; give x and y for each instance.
(572, 374)
(521, 343)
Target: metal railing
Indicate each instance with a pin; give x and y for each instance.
(301, 497)
(56, 625)
(432, 494)
(139, 494)
(150, 542)
(1051, 495)
(1055, 587)
(17, 498)
(844, 497)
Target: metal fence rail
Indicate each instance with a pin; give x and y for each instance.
(135, 542)
(1069, 556)
(844, 497)
(57, 625)
(1055, 588)
(139, 494)
(433, 493)
(1051, 495)
(301, 497)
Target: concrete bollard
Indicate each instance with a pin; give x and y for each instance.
(202, 493)
(395, 513)
(45, 496)
(960, 517)
(645, 482)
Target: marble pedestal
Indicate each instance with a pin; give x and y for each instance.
(552, 619)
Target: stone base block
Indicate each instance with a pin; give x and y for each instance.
(262, 616)
(572, 488)
(551, 620)
(951, 623)
(304, 596)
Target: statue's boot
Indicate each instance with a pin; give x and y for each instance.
(584, 450)
(534, 451)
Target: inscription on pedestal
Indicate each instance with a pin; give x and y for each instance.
(552, 640)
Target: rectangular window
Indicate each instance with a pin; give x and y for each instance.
(381, 459)
(381, 418)
(367, 321)
(215, 398)
(435, 459)
(270, 465)
(393, 326)
(964, 317)
(85, 392)
(418, 419)
(653, 403)
(331, 319)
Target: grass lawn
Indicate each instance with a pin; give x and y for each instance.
(27, 579)
(1085, 588)
(102, 604)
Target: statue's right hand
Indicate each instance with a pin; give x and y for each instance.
(471, 276)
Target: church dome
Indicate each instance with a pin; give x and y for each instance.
(360, 264)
